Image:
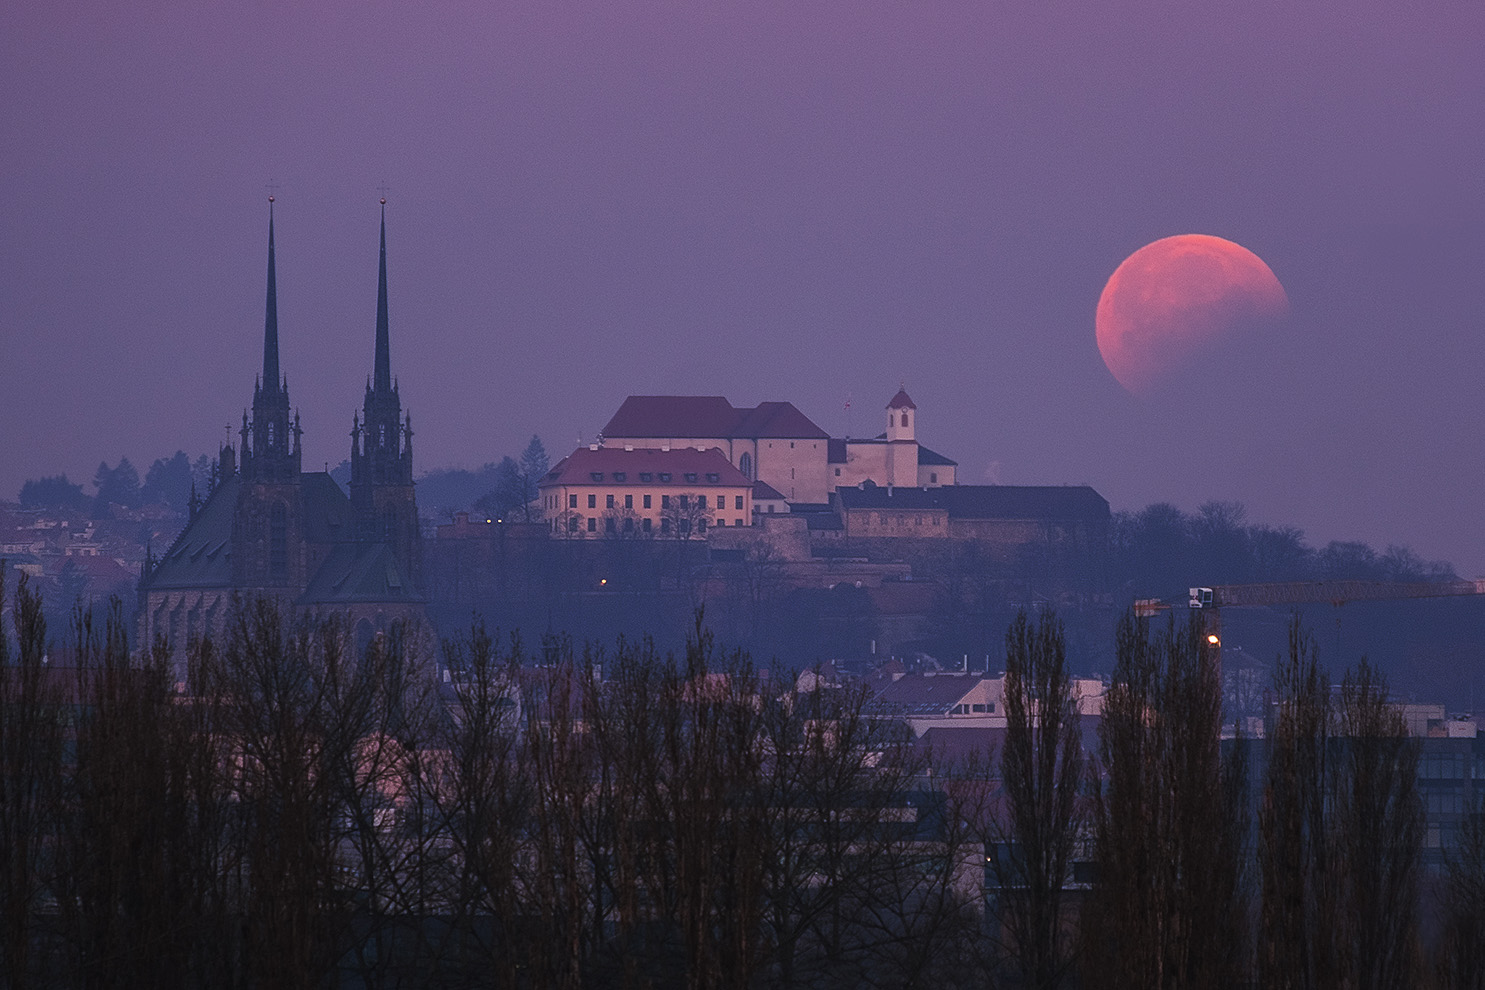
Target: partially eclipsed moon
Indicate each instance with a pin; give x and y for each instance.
(1173, 299)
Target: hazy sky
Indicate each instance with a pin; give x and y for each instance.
(811, 201)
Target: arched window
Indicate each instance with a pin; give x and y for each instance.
(904, 419)
(745, 465)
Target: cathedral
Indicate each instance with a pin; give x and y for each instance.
(269, 528)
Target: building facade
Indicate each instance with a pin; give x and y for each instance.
(681, 493)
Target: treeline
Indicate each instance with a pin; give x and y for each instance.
(303, 816)
(1161, 551)
(168, 481)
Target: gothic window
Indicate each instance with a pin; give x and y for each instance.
(381, 435)
(745, 465)
(270, 433)
(904, 419)
(278, 541)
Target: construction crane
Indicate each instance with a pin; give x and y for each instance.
(1212, 600)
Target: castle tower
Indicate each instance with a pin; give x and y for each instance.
(381, 447)
(902, 442)
(267, 525)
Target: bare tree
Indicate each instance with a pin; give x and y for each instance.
(1378, 835)
(31, 750)
(1042, 771)
(1296, 861)
(1167, 909)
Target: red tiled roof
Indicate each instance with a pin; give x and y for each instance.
(655, 416)
(578, 467)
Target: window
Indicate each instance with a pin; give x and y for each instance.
(592, 501)
(745, 465)
(592, 524)
(713, 477)
(791, 444)
(596, 475)
(573, 522)
(664, 501)
(665, 476)
(685, 501)
(837, 472)
(628, 501)
(646, 477)
(620, 476)
(685, 527)
(647, 501)
(278, 541)
(609, 504)
(645, 523)
(932, 477)
(738, 506)
(701, 501)
(904, 419)
(572, 501)
(609, 526)
(664, 525)
(691, 477)
(701, 525)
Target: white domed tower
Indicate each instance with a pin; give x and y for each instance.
(901, 416)
(902, 442)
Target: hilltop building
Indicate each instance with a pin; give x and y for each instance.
(675, 492)
(776, 444)
(270, 528)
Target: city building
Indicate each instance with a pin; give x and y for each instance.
(269, 528)
(678, 492)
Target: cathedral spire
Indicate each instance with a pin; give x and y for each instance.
(383, 365)
(270, 319)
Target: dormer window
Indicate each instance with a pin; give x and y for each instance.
(713, 477)
(620, 476)
(665, 476)
(691, 477)
(646, 477)
(595, 475)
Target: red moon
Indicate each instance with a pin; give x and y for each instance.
(1173, 299)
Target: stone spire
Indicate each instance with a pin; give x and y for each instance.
(270, 317)
(383, 366)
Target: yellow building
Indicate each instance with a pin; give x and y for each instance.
(613, 492)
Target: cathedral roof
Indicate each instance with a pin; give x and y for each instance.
(361, 573)
(201, 556)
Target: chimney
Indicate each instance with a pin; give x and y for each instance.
(592, 446)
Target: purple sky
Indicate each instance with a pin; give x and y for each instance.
(804, 201)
